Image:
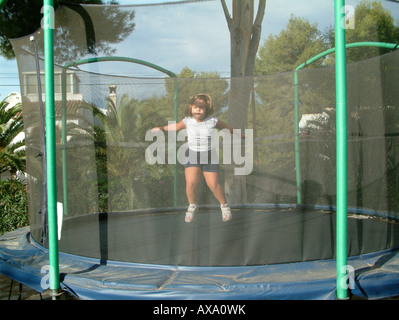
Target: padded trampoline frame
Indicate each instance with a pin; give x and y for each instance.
(375, 275)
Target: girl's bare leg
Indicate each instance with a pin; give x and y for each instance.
(212, 180)
(193, 175)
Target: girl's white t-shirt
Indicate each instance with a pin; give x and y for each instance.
(200, 135)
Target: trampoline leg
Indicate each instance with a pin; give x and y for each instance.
(10, 291)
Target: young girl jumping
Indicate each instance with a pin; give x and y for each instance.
(200, 127)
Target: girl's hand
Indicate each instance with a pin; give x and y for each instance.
(156, 129)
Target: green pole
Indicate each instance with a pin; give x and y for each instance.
(125, 59)
(297, 148)
(64, 142)
(340, 79)
(385, 45)
(48, 26)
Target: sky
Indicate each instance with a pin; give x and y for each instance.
(276, 18)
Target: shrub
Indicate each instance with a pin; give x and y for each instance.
(13, 206)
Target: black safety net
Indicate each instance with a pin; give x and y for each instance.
(121, 188)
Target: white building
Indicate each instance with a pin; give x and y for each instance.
(312, 121)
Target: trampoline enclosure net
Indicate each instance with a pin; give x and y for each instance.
(107, 171)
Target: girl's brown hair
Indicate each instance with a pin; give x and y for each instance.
(209, 108)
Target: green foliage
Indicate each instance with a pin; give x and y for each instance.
(13, 206)
(20, 18)
(191, 82)
(12, 158)
(373, 23)
(274, 114)
(125, 179)
(13, 200)
(298, 42)
(280, 55)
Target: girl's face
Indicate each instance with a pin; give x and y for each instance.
(198, 110)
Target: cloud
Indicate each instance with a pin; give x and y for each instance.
(194, 35)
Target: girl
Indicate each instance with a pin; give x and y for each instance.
(200, 128)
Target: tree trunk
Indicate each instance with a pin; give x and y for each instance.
(244, 42)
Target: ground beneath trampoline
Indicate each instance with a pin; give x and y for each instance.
(21, 293)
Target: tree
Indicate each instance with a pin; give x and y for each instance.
(127, 180)
(373, 23)
(123, 155)
(298, 42)
(20, 18)
(12, 158)
(277, 58)
(245, 33)
(191, 82)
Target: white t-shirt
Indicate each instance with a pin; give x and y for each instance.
(200, 134)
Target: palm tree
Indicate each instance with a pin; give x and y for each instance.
(126, 171)
(12, 156)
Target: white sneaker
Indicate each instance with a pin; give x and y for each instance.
(226, 213)
(190, 213)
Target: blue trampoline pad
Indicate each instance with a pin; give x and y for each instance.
(376, 275)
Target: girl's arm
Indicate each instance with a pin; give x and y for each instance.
(170, 127)
(221, 125)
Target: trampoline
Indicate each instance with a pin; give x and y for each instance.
(216, 261)
(120, 217)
